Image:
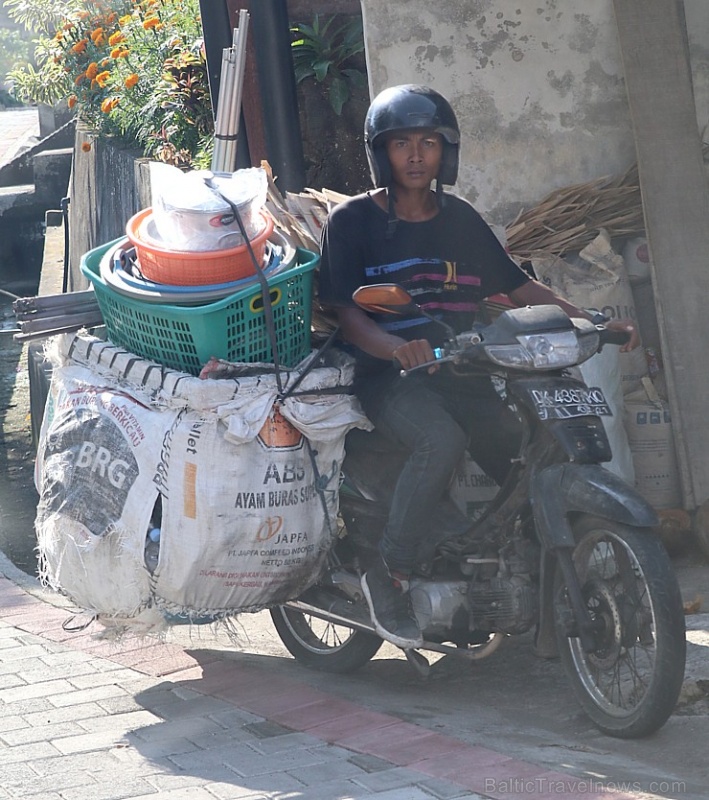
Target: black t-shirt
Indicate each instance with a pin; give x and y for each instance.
(449, 264)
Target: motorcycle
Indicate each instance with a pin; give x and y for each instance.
(566, 548)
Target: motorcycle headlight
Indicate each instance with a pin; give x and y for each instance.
(544, 351)
(588, 345)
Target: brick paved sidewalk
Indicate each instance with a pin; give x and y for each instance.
(83, 718)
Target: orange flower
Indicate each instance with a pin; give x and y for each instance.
(102, 78)
(116, 38)
(86, 147)
(91, 70)
(58, 36)
(131, 80)
(105, 62)
(125, 20)
(78, 79)
(151, 22)
(109, 104)
(97, 36)
(72, 101)
(80, 46)
(122, 53)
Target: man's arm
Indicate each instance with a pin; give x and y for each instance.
(534, 293)
(359, 329)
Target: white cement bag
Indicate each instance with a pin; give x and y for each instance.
(96, 461)
(651, 441)
(598, 280)
(636, 257)
(472, 489)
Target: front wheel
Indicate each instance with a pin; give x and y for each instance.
(630, 683)
(323, 645)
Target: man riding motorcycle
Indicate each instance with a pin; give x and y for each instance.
(439, 248)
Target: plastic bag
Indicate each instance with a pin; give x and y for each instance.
(188, 215)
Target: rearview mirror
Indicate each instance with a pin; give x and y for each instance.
(387, 298)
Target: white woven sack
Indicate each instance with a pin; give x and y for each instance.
(598, 280)
(649, 426)
(472, 489)
(247, 486)
(97, 458)
(250, 500)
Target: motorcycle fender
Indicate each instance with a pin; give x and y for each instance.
(561, 489)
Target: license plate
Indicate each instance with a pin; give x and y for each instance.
(568, 402)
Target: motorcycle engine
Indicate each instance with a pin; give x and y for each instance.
(501, 604)
(441, 606)
(504, 604)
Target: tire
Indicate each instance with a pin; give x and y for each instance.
(323, 645)
(630, 684)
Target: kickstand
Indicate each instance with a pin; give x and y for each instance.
(419, 663)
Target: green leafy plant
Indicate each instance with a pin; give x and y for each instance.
(133, 69)
(38, 16)
(14, 52)
(325, 52)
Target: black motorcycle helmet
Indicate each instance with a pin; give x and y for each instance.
(402, 108)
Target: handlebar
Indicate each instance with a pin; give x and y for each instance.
(439, 357)
(608, 336)
(468, 350)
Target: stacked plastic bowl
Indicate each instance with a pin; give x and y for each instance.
(129, 268)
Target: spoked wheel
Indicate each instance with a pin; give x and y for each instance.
(323, 645)
(630, 683)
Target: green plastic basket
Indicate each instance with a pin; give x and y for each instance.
(234, 328)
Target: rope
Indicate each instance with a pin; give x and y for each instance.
(265, 288)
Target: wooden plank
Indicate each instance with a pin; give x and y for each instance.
(653, 42)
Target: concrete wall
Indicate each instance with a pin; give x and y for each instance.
(538, 87)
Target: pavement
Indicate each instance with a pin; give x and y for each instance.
(201, 715)
(82, 717)
(19, 129)
(85, 718)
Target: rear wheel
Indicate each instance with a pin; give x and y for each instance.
(630, 683)
(322, 645)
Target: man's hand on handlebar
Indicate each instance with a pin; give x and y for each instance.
(625, 326)
(412, 354)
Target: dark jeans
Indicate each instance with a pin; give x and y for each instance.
(434, 418)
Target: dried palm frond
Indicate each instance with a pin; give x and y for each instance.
(568, 219)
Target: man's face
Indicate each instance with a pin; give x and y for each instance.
(415, 157)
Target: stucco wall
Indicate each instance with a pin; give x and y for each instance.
(538, 87)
